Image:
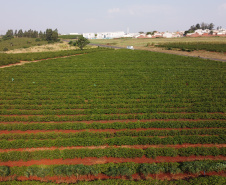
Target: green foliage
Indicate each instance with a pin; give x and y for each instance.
(4, 171)
(16, 43)
(190, 46)
(70, 36)
(213, 180)
(115, 125)
(15, 58)
(82, 42)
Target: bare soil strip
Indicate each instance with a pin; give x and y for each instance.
(103, 160)
(93, 130)
(110, 121)
(186, 145)
(26, 62)
(74, 179)
(217, 56)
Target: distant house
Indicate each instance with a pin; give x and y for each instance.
(167, 35)
(73, 33)
(89, 35)
(110, 35)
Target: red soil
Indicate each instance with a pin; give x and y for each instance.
(123, 146)
(74, 179)
(103, 160)
(24, 62)
(92, 130)
(111, 121)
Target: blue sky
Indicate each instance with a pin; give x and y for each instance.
(70, 16)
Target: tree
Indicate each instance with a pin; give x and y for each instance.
(82, 42)
(211, 26)
(20, 33)
(51, 35)
(198, 26)
(8, 35)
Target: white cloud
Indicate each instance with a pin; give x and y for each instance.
(223, 6)
(142, 10)
(113, 10)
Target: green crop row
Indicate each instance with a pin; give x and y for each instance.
(126, 140)
(118, 169)
(213, 180)
(111, 152)
(15, 58)
(190, 46)
(11, 105)
(106, 111)
(6, 59)
(114, 125)
(85, 134)
(109, 77)
(113, 117)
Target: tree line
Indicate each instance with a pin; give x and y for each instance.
(198, 26)
(48, 35)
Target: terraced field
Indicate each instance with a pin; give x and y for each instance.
(113, 114)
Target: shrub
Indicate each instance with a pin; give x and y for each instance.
(4, 171)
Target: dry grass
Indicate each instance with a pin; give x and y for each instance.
(45, 48)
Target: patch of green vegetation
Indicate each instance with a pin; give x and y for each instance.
(16, 43)
(69, 36)
(187, 46)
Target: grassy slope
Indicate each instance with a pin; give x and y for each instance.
(20, 43)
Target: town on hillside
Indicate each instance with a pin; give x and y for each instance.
(154, 34)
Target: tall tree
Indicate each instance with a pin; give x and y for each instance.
(211, 26)
(8, 35)
(20, 33)
(82, 42)
(51, 35)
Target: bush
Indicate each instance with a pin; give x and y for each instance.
(4, 171)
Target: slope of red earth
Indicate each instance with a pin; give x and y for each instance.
(103, 160)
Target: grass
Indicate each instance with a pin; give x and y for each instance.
(16, 43)
(143, 42)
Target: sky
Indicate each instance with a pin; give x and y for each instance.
(76, 16)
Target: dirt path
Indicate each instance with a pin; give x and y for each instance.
(73, 179)
(26, 62)
(95, 130)
(200, 54)
(110, 121)
(186, 145)
(104, 160)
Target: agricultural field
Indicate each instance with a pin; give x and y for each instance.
(191, 46)
(205, 47)
(127, 117)
(154, 41)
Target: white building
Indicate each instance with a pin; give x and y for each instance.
(167, 35)
(110, 35)
(73, 33)
(89, 35)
